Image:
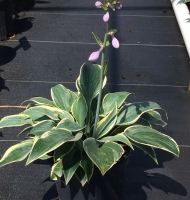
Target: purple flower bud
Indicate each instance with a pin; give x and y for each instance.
(119, 6)
(115, 42)
(106, 17)
(98, 4)
(95, 55)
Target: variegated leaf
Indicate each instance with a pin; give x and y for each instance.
(150, 137)
(105, 156)
(51, 112)
(88, 82)
(130, 113)
(149, 150)
(63, 150)
(56, 170)
(107, 123)
(17, 152)
(62, 97)
(41, 127)
(70, 163)
(41, 101)
(69, 125)
(117, 138)
(54, 139)
(79, 110)
(111, 98)
(81, 175)
(15, 120)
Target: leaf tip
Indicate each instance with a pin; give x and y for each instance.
(28, 161)
(178, 152)
(102, 170)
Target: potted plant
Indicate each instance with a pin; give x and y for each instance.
(6, 28)
(90, 131)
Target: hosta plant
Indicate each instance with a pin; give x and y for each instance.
(89, 127)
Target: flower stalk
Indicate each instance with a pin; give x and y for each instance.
(101, 79)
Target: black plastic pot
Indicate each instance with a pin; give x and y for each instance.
(6, 21)
(111, 186)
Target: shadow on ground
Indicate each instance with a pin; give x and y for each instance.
(7, 54)
(144, 173)
(2, 85)
(22, 24)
